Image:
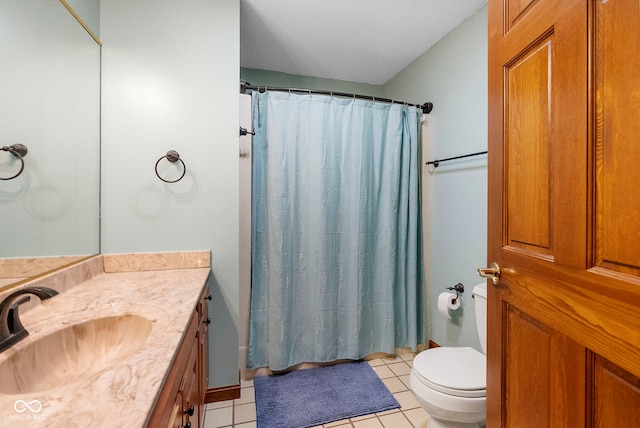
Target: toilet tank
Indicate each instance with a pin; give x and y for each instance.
(480, 298)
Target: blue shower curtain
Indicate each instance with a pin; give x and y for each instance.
(336, 231)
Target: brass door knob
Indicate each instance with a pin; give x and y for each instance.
(493, 272)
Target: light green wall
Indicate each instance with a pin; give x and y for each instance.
(453, 75)
(161, 92)
(277, 79)
(170, 81)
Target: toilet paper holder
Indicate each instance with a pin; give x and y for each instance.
(458, 288)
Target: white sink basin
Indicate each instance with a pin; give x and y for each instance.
(73, 353)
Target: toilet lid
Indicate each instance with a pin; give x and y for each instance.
(461, 372)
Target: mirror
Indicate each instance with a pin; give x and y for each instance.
(50, 86)
(88, 14)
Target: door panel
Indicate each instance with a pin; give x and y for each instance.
(526, 399)
(617, 123)
(564, 213)
(548, 389)
(527, 150)
(616, 397)
(517, 9)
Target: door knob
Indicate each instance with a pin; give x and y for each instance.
(493, 272)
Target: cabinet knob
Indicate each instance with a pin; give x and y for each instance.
(207, 321)
(209, 297)
(190, 411)
(187, 425)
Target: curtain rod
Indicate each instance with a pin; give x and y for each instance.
(426, 107)
(436, 162)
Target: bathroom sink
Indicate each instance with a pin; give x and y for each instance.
(73, 353)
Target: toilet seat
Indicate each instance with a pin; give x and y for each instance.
(460, 372)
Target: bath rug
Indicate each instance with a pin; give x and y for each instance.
(310, 397)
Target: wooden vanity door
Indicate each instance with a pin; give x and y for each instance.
(564, 213)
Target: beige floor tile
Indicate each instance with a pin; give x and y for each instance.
(388, 412)
(391, 359)
(262, 371)
(219, 404)
(405, 380)
(348, 425)
(337, 424)
(363, 417)
(408, 356)
(244, 413)
(376, 362)
(247, 395)
(395, 420)
(246, 383)
(418, 417)
(407, 400)
(400, 369)
(246, 425)
(218, 418)
(383, 371)
(368, 423)
(394, 384)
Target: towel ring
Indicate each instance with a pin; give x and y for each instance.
(19, 151)
(172, 156)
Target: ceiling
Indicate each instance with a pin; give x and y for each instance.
(366, 41)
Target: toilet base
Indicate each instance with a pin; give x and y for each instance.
(436, 423)
(448, 411)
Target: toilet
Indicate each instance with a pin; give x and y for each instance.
(451, 382)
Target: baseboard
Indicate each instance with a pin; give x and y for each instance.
(433, 344)
(222, 393)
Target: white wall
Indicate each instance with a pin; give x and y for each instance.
(453, 75)
(170, 81)
(275, 78)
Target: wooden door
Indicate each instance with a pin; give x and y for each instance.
(564, 213)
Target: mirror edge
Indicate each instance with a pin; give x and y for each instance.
(45, 273)
(84, 25)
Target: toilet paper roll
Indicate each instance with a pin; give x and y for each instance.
(447, 302)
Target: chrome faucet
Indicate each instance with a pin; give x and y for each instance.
(11, 329)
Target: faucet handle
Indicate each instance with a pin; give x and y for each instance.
(13, 320)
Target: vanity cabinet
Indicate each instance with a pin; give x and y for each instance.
(181, 401)
(203, 351)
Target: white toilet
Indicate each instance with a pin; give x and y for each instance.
(451, 383)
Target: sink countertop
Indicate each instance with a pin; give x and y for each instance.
(125, 393)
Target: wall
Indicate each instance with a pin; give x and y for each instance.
(170, 81)
(277, 79)
(452, 75)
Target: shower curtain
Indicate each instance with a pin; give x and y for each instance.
(336, 231)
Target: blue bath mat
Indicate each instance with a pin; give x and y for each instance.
(310, 397)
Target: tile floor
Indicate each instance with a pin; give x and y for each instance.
(394, 372)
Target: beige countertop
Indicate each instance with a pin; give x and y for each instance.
(102, 390)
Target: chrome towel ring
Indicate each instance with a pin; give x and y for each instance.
(19, 151)
(172, 156)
